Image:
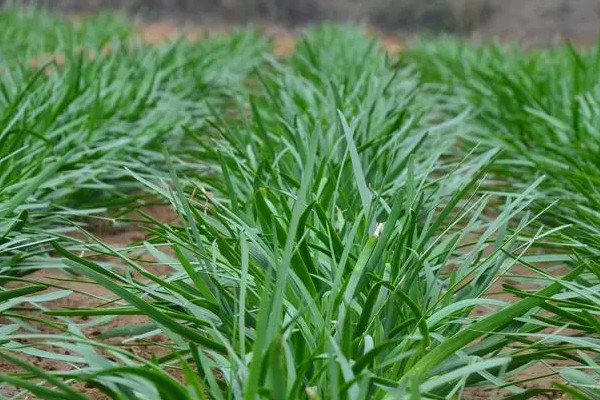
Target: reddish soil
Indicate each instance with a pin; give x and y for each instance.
(283, 40)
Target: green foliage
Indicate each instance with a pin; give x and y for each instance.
(71, 130)
(343, 219)
(30, 32)
(542, 108)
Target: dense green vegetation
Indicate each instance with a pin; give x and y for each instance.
(542, 108)
(73, 130)
(349, 226)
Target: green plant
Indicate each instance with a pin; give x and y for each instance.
(333, 250)
(343, 223)
(541, 108)
(70, 130)
(32, 35)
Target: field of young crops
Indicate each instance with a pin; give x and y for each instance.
(202, 219)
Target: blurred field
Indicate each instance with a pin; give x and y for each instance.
(534, 21)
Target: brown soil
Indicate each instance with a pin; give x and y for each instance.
(283, 39)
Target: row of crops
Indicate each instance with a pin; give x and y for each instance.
(349, 225)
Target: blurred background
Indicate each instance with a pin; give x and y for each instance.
(542, 21)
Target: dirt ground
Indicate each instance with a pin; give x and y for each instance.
(283, 39)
